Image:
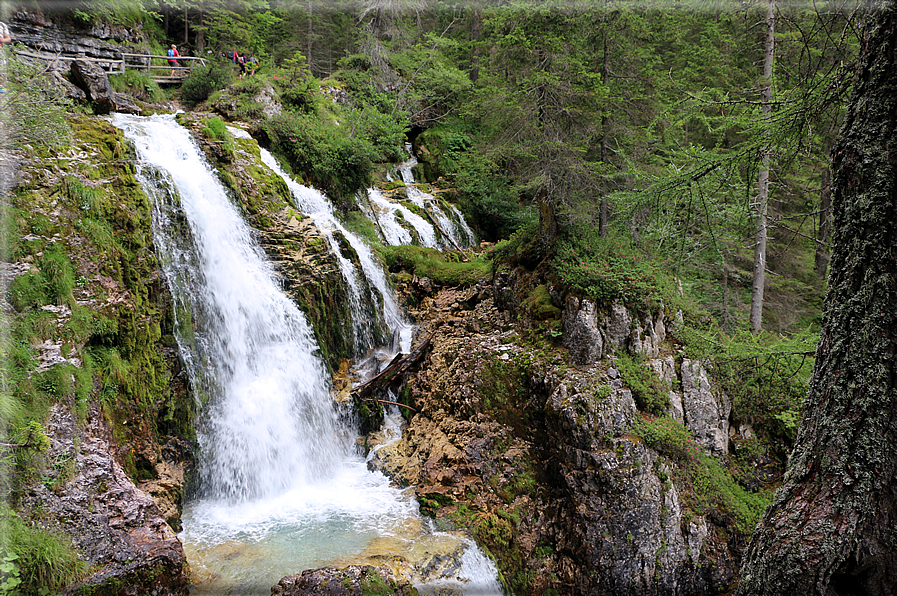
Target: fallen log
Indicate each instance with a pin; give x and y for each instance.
(389, 375)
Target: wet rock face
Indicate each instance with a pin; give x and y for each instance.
(355, 580)
(113, 525)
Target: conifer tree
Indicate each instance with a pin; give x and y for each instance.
(831, 527)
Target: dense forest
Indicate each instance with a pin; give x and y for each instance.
(672, 158)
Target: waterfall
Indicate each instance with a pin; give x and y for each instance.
(270, 391)
(281, 488)
(455, 225)
(314, 204)
(390, 217)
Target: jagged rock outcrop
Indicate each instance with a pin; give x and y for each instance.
(706, 412)
(591, 333)
(53, 34)
(540, 462)
(115, 526)
(93, 80)
(355, 580)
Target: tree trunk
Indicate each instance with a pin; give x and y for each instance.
(475, 33)
(759, 276)
(605, 134)
(832, 528)
(309, 35)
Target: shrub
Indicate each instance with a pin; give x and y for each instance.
(205, 80)
(322, 151)
(648, 391)
(489, 201)
(609, 269)
(138, 85)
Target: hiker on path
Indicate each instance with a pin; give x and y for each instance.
(172, 58)
(5, 38)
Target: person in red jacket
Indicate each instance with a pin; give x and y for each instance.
(172, 58)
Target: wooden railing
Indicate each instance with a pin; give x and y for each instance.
(144, 63)
(155, 66)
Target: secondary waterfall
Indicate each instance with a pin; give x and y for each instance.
(454, 226)
(281, 488)
(379, 305)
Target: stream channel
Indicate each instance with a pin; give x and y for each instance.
(281, 487)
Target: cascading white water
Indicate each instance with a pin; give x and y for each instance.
(281, 489)
(314, 204)
(388, 215)
(455, 227)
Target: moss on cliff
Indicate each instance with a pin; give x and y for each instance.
(88, 307)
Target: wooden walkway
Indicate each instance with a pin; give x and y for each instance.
(155, 66)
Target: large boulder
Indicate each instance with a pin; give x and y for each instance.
(355, 580)
(93, 80)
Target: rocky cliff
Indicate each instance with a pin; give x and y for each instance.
(536, 447)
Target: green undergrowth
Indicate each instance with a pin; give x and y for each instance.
(648, 390)
(138, 85)
(703, 481)
(443, 268)
(33, 560)
(611, 268)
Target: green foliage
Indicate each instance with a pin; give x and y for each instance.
(27, 291)
(205, 80)
(609, 269)
(766, 375)
(521, 248)
(320, 149)
(299, 88)
(35, 108)
(489, 201)
(706, 482)
(647, 389)
(137, 84)
(443, 268)
(59, 277)
(130, 13)
(385, 132)
(35, 560)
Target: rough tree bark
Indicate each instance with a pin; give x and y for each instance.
(832, 528)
